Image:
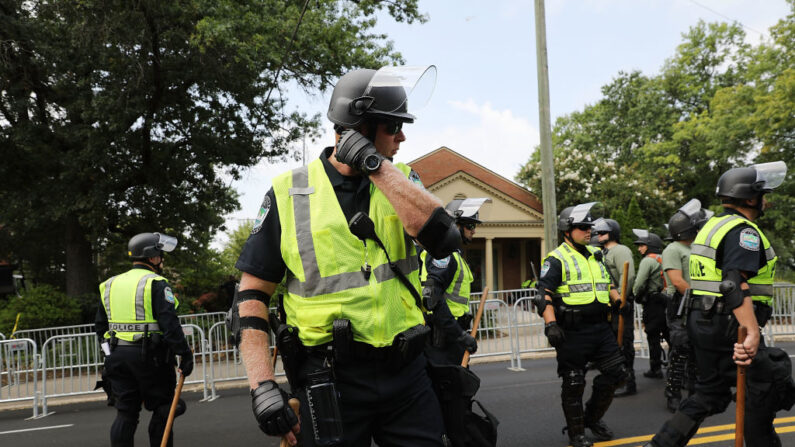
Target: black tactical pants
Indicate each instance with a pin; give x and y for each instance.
(378, 403)
(451, 353)
(135, 380)
(589, 342)
(656, 329)
(713, 341)
(628, 341)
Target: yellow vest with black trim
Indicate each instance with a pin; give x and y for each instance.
(324, 261)
(127, 299)
(583, 281)
(705, 276)
(457, 293)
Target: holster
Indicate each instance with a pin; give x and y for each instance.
(292, 351)
(407, 345)
(465, 321)
(342, 334)
(763, 312)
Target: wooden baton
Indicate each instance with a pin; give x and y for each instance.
(478, 316)
(739, 425)
(172, 411)
(623, 303)
(295, 405)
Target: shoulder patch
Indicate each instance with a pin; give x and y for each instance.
(264, 208)
(544, 269)
(415, 178)
(441, 263)
(169, 295)
(749, 239)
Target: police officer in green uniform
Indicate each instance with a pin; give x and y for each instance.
(683, 227)
(574, 298)
(615, 255)
(139, 331)
(648, 290)
(446, 285)
(732, 269)
(354, 332)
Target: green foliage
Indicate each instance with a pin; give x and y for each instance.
(660, 140)
(631, 218)
(122, 117)
(40, 306)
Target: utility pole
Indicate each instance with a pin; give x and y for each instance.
(547, 160)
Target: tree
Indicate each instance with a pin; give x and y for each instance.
(121, 117)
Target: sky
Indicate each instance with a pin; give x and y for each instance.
(485, 104)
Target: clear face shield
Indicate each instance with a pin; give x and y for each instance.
(691, 209)
(587, 213)
(391, 88)
(471, 207)
(771, 175)
(166, 243)
(600, 225)
(643, 235)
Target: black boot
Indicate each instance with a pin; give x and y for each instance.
(571, 398)
(596, 407)
(580, 441)
(629, 387)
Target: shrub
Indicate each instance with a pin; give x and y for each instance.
(41, 306)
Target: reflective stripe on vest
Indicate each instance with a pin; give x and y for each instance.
(127, 299)
(706, 276)
(324, 279)
(583, 280)
(457, 292)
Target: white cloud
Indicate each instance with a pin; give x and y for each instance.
(496, 139)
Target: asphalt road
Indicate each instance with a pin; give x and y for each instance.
(527, 404)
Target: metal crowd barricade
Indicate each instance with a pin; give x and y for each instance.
(2, 337)
(19, 374)
(494, 331)
(225, 362)
(528, 329)
(194, 335)
(205, 320)
(782, 322)
(70, 366)
(43, 334)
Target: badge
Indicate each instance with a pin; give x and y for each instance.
(544, 268)
(263, 213)
(169, 295)
(415, 178)
(441, 263)
(749, 239)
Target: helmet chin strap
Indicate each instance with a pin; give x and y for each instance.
(464, 239)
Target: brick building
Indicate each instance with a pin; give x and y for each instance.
(512, 233)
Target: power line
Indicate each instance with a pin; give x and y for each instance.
(727, 17)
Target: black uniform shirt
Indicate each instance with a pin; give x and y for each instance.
(552, 276)
(741, 249)
(261, 255)
(163, 311)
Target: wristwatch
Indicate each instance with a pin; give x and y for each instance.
(372, 163)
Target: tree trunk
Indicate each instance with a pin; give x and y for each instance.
(80, 276)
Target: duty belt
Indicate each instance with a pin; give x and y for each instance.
(359, 350)
(134, 327)
(697, 303)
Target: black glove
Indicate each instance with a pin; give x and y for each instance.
(186, 363)
(274, 415)
(625, 311)
(554, 334)
(468, 342)
(353, 148)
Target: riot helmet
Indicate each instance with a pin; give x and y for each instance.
(649, 239)
(466, 213)
(150, 245)
(583, 214)
(365, 93)
(687, 220)
(609, 227)
(751, 181)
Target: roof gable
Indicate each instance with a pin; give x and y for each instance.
(444, 162)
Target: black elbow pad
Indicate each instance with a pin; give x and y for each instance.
(733, 295)
(439, 235)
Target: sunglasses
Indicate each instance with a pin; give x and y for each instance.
(469, 226)
(583, 227)
(392, 127)
(602, 232)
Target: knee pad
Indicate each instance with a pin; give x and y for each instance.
(712, 404)
(573, 384)
(676, 431)
(613, 369)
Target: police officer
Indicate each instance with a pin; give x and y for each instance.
(731, 268)
(446, 285)
(574, 298)
(648, 293)
(683, 227)
(139, 331)
(354, 330)
(615, 255)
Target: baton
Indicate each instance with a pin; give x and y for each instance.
(474, 330)
(172, 411)
(623, 303)
(739, 425)
(295, 405)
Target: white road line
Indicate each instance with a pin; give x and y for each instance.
(34, 429)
